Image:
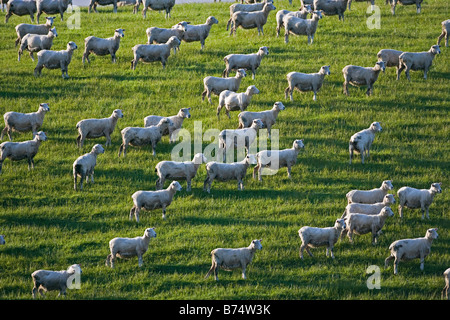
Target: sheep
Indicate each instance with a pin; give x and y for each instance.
(362, 141)
(23, 122)
(250, 20)
(84, 165)
(331, 7)
(418, 4)
(245, 8)
(25, 28)
(199, 32)
(417, 198)
(2, 239)
(362, 76)
(154, 52)
(445, 32)
(300, 26)
(134, 3)
(93, 4)
(102, 47)
(216, 84)
(47, 280)
(185, 170)
(177, 122)
(36, 43)
(151, 200)
(137, 136)
(305, 82)
(126, 248)
(165, 5)
(417, 61)
(408, 249)
(95, 128)
(250, 61)
(227, 171)
(157, 35)
(51, 7)
(233, 101)
(370, 196)
(276, 159)
(372, 2)
(368, 208)
(229, 259)
(20, 8)
(268, 117)
(301, 13)
(390, 57)
(55, 60)
(446, 288)
(313, 237)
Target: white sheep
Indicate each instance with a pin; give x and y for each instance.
(185, 170)
(84, 166)
(445, 31)
(250, 20)
(313, 237)
(217, 84)
(301, 13)
(177, 122)
(151, 200)
(126, 248)
(304, 82)
(158, 5)
(417, 61)
(16, 151)
(157, 35)
(93, 4)
(47, 280)
(227, 171)
(233, 101)
(446, 289)
(154, 52)
(331, 7)
(418, 4)
(370, 196)
(23, 122)
(298, 26)
(51, 7)
(413, 198)
(37, 42)
(134, 3)
(276, 159)
(268, 117)
(362, 141)
(408, 249)
(20, 8)
(102, 47)
(96, 128)
(390, 57)
(25, 28)
(55, 60)
(368, 208)
(245, 8)
(362, 76)
(229, 259)
(250, 61)
(199, 32)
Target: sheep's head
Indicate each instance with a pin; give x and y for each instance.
(340, 224)
(44, 107)
(307, 7)
(174, 41)
(71, 46)
(256, 244)
(325, 70)
(165, 122)
(150, 233)
(240, 73)
(49, 21)
(40, 136)
(436, 187)
(97, 149)
(387, 185)
(250, 159)
(199, 158)
(298, 144)
(119, 32)
(432, 233)
(263, 51)
(389, 199)
(53, 30)
(279, 105)
(317, 14)
(269, 7)
(257, 123)
(181, 25)
(117, 114)
(75, 268)
(387, 211)
(252, 90)
(175, 185)
(435, 49)
(212, 20)
(184, 112)
(376, 126)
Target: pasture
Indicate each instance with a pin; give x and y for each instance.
(48, 225)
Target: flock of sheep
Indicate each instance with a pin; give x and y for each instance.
(367, 210)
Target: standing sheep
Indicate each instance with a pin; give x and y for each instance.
(245, 8)
(244, 61)
(23, 122)
(157, 35)
(417, 61)
(46, 280)
(368, 208)
(36, 43)
(158, 5)
(362, 141)
(55, 60)
(102, 47)
(331, 7)
(417, 198)
(84, 166)
(445, 32)
(301, 13)
(177, 122)
(362, 76)
(418, 4)
(51, 7)
(25, 28)
(390, 58)
(306, 82)
(250, 20)
(370, 196)
(268, 117)
(233, 101)
(298, 26)
(216, 84)
(154, 52)
(93, 4)
(199, 32)
(20, 8)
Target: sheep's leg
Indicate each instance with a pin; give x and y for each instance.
(255, 169)
(425, 71)
(396, 262)
(244, 267)
(38, 69)
(75, 182)
(422, 261)
(133, 209)
(418, 7)
(253, 73)
(438, 41)
(288, 91)
(164, 213)
(136, 213)
(33, 292)
(108, 138)
(140, 260)
(330, 248)
(388, 260)
(188, 182)
(154, 148)
(407, 72)
(346, 87)
(92, 177)
(424, 210)
(289, 171)
(210, 270)
(204, 93)
(5, 130)
(400, 211)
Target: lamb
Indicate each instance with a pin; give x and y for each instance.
(23, 122)
(25, 28)
(331, 7)
(95, 128)
(372, 2)
(47, 280)
(417, 198)
(408, 249)
(268, 117)
(362, 76)
(186, 170)
(227, 171)
(157, 35)
(244, 61)
(51, 7)
(177, 122)
(84, 165)
(154, 52)
(233, 101)
(368, 208)
(229, 259)
(55, 60)
(276, 159)
(362, 141)
(245, 8)
(151, 200)
(36, 42)
(137, 136)
(301, 13)
(199, 32)
(313, 237)
(418, 4)
(390, 57)
(165, 5)
(16, 151)
(306, 82)
(250, 20)
(216, 84)
(102, 47)
(94, 3)
(370, 196)
(417, 61)
(20, 8)
(297, 26)
(126, 248)
(445, 32)
(446, 288)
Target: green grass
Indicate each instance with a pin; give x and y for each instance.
(50, 226)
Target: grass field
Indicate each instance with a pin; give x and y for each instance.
(48, 225)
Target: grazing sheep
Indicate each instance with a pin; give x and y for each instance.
(362, 141)
(16, 151)
(24, 122)
(306, 82)
(158, 5)
(134, 3)
(408, 249)
(245, 8)
(250, 20)
(216, 84)
(276, 159)
(370, 196)
(2, 239)
(446, 288)
(417, 61)
(20, 8)
(84, 166)
(390, 57)
(244, 61)
(445, 32)
(46, 280)
(93, 4)
(177, 122)
(368, 208)
(55, 60)
(418, 4)
(233, 101)
(372, 2)
(362, 76)
(36, 43)
(151, 200)
(417, 198)
(185, 170)
(229, 259)
(268, 117)
(25, 28)
(154, 52)
(137, 136)
(199, 32)
(227, 171)
(157, 35)
(102, 47)
(126, 248)
(298, 26)
(51, 7)
(331, 7)
(301, 13)
(313, 237)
